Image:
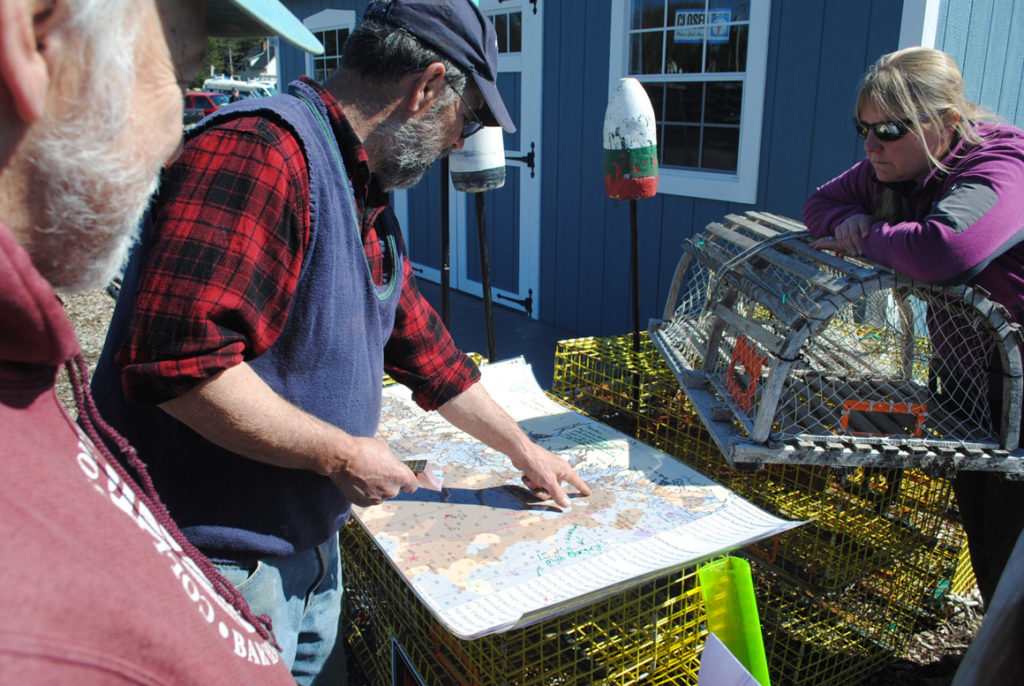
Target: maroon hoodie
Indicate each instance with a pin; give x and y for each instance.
(97, 586)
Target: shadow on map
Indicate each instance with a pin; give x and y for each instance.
(506, 497)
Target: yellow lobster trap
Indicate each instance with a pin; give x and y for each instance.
(840, 596)
(652, 634)
(794, 355)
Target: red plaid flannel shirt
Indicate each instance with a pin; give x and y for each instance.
(232, 224)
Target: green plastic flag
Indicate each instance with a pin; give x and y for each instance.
(728, 591)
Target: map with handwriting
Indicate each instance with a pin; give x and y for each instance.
(485, 555)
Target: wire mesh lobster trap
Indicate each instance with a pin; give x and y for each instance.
(839, 596)
(794, 355)
(652, 634)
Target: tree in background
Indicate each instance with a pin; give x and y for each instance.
(224, 56)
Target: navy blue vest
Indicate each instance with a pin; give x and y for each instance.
(328, 360)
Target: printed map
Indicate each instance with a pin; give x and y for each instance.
(485, 556)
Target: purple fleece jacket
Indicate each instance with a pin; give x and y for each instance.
(964, 226)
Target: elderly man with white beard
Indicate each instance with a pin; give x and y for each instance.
(270, 293)
(97, 584)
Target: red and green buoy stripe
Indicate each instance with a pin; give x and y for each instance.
(631, 173)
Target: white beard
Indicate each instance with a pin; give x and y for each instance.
(412, 146)
(91, 189)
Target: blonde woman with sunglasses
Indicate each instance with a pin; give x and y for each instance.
(939, 197)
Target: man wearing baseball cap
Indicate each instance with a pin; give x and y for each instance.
(97, 584)
(270, 293)
(459, 31)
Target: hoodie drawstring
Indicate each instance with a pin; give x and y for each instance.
(93, 424)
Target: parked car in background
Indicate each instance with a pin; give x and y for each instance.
(193, 115)
(247, 89)
(205, 101)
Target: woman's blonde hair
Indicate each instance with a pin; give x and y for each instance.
(919, 85)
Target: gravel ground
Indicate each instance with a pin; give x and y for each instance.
(90, 313)
(930, 660)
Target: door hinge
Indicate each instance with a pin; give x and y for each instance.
(527, 158)
(525, 303)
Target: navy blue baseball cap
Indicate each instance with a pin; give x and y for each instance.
(458, 30)
(238, 18)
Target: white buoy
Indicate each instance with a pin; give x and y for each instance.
(630, 143)
(480, 165)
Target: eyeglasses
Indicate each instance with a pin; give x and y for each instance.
(470, 124)
(886, 131)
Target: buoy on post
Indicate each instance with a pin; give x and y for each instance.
(480, 166)
(631, 165)
(630, 143)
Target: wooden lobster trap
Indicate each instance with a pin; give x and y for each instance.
(795, 355)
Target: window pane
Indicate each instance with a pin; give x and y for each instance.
(648, 14)
(501, 28)
(330, 42)
(645, 53)
(724, 99)
(683, 57)
(515, 32)
(721, 148)
(688, 17)
(683, 102)
(324, 68)
(342, 37)
(731, 54)
(656, 92)
(681, 146)
(675, 7)
(738, 9)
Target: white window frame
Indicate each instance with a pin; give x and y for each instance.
(738, 187)
(919, 23)
(328, 20)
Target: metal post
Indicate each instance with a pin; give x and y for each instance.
(485, 275)
(445, 250)
(635, 274)
(634, 268)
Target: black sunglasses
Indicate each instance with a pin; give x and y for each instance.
(472, 123)
(886, 131)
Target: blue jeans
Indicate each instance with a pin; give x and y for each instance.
(301, 593)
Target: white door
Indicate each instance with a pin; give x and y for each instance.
(512, 212)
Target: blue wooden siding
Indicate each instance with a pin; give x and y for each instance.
(817, 53)
(986, 38)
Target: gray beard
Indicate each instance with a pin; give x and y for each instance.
(412, 148)
(91, 198)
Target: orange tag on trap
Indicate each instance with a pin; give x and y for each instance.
(910, 417)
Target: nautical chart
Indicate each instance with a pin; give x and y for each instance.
(485, 556)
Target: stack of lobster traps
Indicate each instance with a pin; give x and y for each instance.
(839, 597)
(831, 390)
